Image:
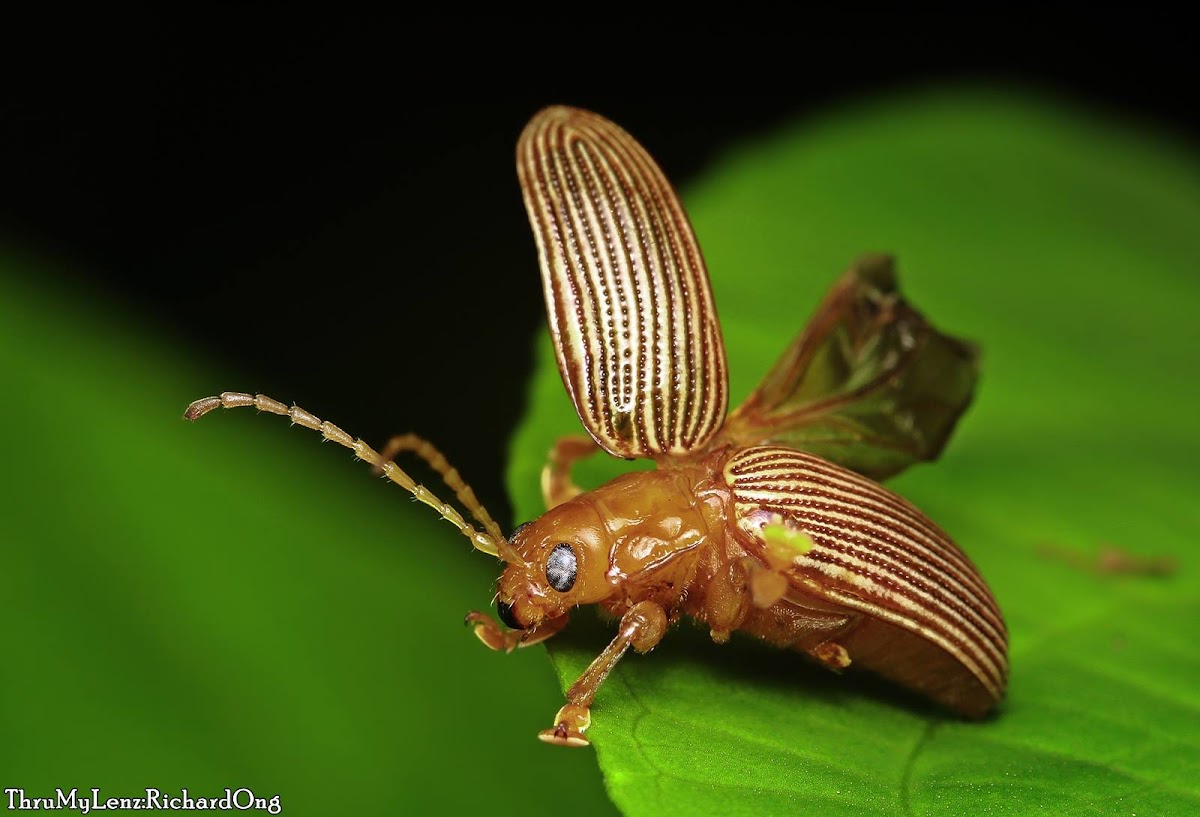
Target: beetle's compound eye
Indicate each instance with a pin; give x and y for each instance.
(560, 568)
(505, 611)
(517, 530)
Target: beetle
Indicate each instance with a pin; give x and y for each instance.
(769, 522)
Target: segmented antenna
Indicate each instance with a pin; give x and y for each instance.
(449, 474)
(492, 543)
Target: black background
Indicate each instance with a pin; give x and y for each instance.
(330, 214)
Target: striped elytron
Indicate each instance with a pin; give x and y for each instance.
(768, 522)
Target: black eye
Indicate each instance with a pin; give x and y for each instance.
(505, 611)
(560, 568)
(517, 530)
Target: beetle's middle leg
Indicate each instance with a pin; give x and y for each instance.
(557, 485)
(811, 627)
(642, 627)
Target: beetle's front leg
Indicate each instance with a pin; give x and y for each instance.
(642, 627)
(496, 638)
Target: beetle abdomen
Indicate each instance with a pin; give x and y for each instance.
(927, 618)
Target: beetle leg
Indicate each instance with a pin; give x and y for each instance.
(817, 628)
(783, 542)
(767, 585)
(493, 636)
(557, 486)
(540, 633)
(726, 604)
(642, 627)
(496, 638)
(832, 655)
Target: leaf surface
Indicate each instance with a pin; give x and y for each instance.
(1066, 246)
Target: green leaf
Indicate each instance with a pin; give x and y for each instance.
(1067, 247)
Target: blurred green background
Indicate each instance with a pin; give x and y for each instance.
(231, 604)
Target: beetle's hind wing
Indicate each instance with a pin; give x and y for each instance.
(630, 308)
(868, 384)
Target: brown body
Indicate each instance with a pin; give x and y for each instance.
(687, 538)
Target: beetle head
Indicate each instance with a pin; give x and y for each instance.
(565, 562)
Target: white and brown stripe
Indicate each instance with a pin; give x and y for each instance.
(875, 553)
(627, 294)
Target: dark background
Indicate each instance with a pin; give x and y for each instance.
(331, 216)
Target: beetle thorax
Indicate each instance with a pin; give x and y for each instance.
(633, 539)
(656, 524)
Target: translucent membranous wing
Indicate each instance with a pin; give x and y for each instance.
(627, 294)
(869, 384)
(925, 618)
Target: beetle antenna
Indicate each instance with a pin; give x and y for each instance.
(449, 474)
(491, 542)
